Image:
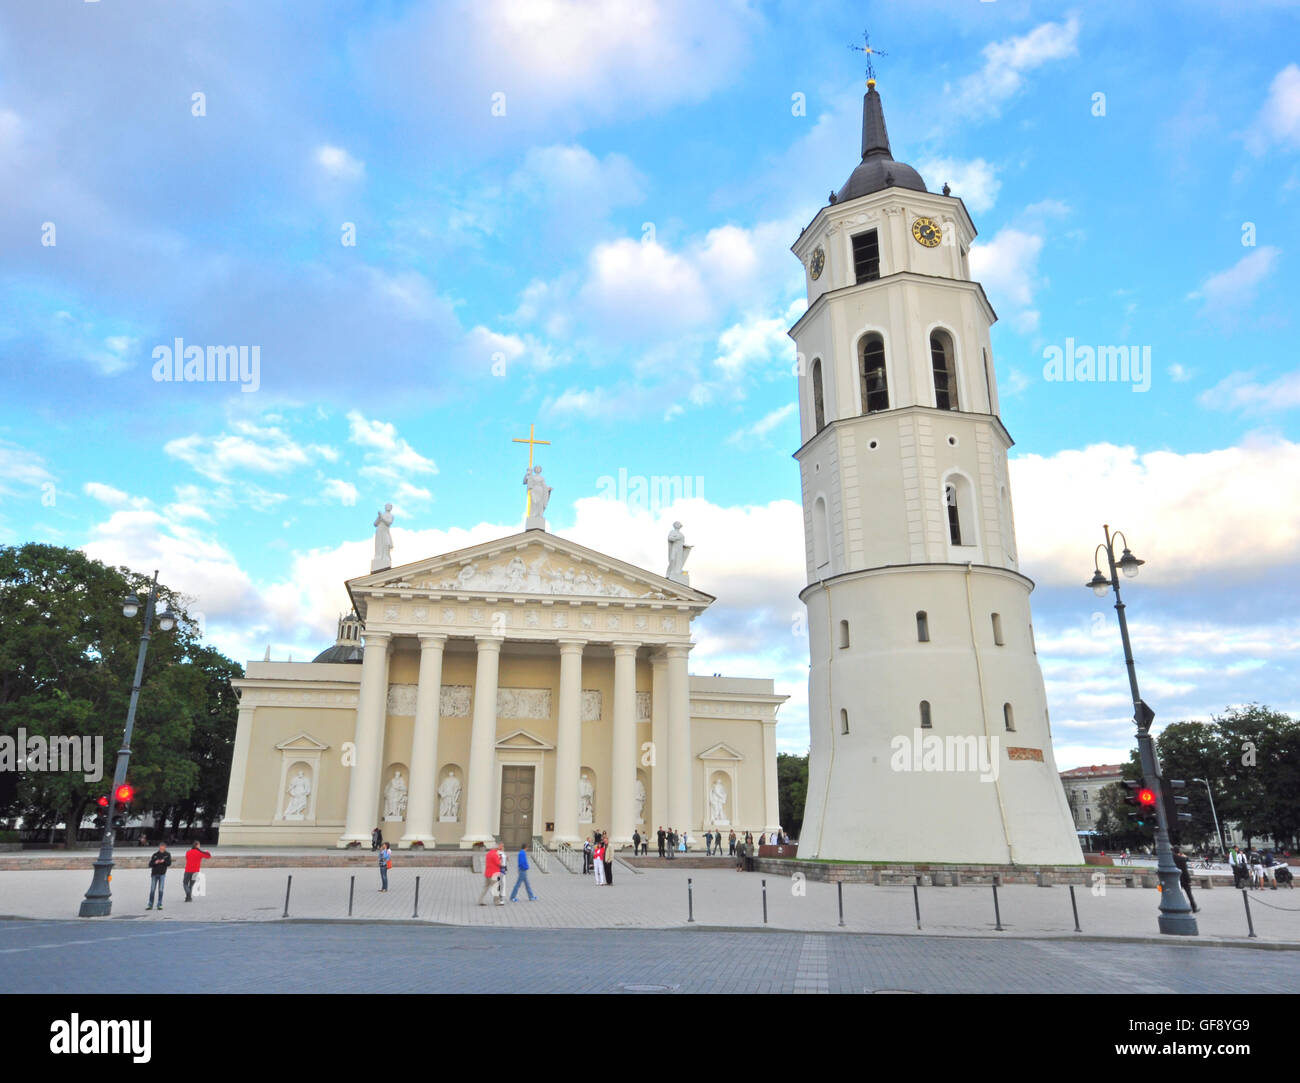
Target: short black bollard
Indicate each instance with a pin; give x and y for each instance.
(287, 888)
(997, 913)
(1075, 907)
(352, 887)
(416, 913)
(690, 901)
(916, 901)
(764, 902)
(839, 890)
(1249, 923)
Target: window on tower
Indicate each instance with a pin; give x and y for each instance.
(997, 629)
(1010, 720)
(943, 360)
(844, 720)
(875, 382)
(925, 714)
(866, 256)
(819, 403)
(844, 633)
(922, 626)
(954, 518)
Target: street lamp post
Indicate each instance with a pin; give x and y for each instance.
(98, 902)
(1175, 912)
(1217, 829)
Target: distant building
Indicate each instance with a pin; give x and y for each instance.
(1083, 788)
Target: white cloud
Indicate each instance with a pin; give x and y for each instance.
(574, 400)
(388, 456)
(1227, 292)
(1279, 119)
(20, 468)
(975, 182)
(574, 183)
(762, 427)
(1180, 374)
(1238, 391)
(753, 343)
(337, 163)
(342, 491)
(266, 449)
(106, 494)
(1006, 63)
(1007, 268)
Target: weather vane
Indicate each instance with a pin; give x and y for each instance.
(866, 48)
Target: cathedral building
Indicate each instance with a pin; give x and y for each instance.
(930, 734)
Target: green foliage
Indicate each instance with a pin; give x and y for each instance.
(792, 791)
(67, 662)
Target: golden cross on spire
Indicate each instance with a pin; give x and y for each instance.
(530, 441)
(867, 49)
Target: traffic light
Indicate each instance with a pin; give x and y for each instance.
(1173, 801)
(1144, 798)
(122, 796)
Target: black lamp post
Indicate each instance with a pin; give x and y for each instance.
(1175, 912)
(98, 902)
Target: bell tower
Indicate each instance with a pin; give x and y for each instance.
(930, 736)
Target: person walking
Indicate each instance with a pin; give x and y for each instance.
(193, 859)
(740, 856)
(708, 843)
(1185, 877)
(609, 860)
(492, 876)
(159, 862)
(662, 837)
(587, 849)
(385, 863)
(731, 843)
(521, 877)
(376, 840)
(636, 843)
(598, 862)
(1237, 860)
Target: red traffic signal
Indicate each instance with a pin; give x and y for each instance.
(126, 791)
(1146, 797)
(102, 802)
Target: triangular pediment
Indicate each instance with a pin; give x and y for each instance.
(522, 739)
(303, 742)
(535, 563)
(721, 751)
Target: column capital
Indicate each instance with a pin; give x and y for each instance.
(488, 643)
(625, 647)
(377, 638)
(430, 640)
(571, 646)
(677, 650)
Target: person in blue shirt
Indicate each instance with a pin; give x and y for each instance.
(522, 878)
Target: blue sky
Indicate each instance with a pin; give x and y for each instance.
(578, 215)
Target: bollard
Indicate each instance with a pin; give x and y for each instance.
(1075, 907)
(287, 887)
(352, 887)
(1250, 924)
(416, 914)
(764, 902)
(839, 890)
(916, 901)
(997, 913)
(690, 901)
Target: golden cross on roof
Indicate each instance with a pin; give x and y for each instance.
(867, 48)
(530, 441)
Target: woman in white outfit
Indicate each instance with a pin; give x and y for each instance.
(599, 861)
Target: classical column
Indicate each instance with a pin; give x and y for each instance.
(481, 783)
(568, 743)
(771, 799)
(372, 709)
(622, 774)
(658, 745)
(421, 797)
(679, 739)
(239, 766)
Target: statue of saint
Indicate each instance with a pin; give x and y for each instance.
(449, 799)
(539, 493)
(718, 802)
(586, 794)
(678, 551)
(383, 540)
(299, 791)
(395, 798)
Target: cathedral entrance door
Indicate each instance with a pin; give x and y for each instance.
(517, 827)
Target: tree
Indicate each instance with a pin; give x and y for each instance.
(67, 660)
(1188, 751)
(792, 791)
(1259, 771)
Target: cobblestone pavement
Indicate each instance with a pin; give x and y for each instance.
(653, 899)
(129, 957)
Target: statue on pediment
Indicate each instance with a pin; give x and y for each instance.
(678, 551)
(383, 540)
(299, 791)
(539, 493)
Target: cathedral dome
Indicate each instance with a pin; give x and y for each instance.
(877, 170)
(347, 647)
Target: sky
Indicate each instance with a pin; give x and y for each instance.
(436, 224)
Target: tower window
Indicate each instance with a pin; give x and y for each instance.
(954, 519)
(844, 720)
(844, 633)
(997, 629)
(1032, 646)
(866, 256)
(922, 627)
(1008, 717)
(925, 714)
(875, 383)
(821, 534)
(944, 363)
(819, 404)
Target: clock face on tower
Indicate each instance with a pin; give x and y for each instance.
(817, 263)
(927, 232)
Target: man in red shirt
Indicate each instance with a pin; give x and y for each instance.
(492, 876)
(193, 859)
